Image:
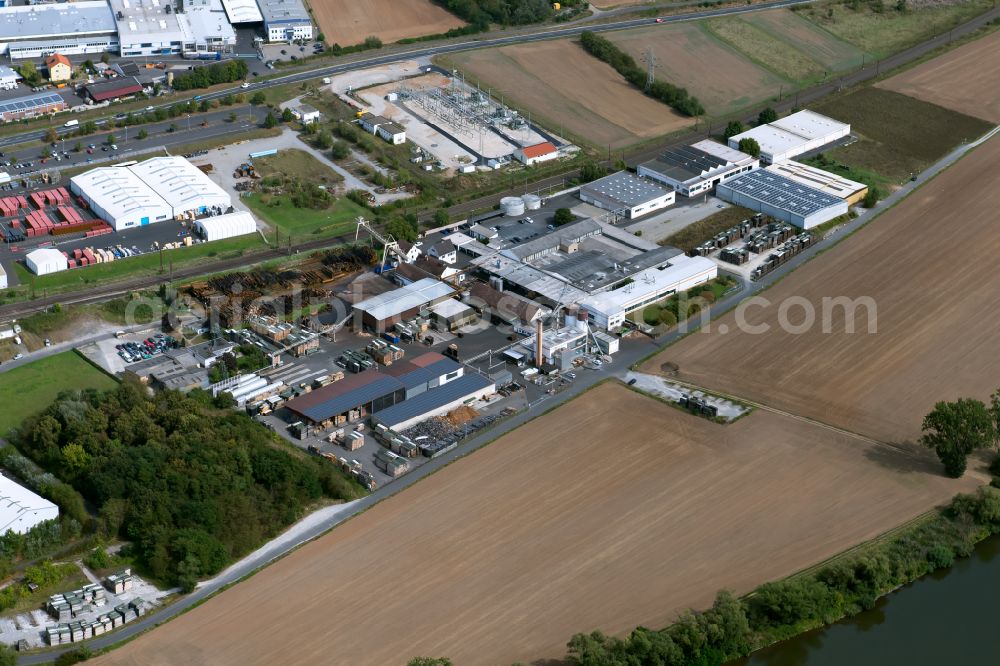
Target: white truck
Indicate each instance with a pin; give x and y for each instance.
(71, 123)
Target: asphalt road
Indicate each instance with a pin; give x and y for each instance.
(631, 352)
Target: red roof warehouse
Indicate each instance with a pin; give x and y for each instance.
(114, 89)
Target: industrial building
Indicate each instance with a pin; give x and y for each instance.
(8, 78)
(185, 187)
(113, 90)
(73, 28)
(285, 20)
(782, 198)
(21, 509)
(503, 306)
(242, 11)
(608, 309)
(632, 196)
(383, 127)
(305, 113)
(220, 227)
(793, 135)
(696, 169)
(435, 402)
(46, 260)
(451, 315)
(119, 196)
(154, 28)
(382, 311)
(829, 183)
(540, 152)
(31, 106)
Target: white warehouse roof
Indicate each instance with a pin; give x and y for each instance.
(89, 17)
(810, 124)
(21, 509)
(395, 302)
(226, 226)
(118, 192)
(242, 11)
(680, 273)
(183, 186)
(793, 135)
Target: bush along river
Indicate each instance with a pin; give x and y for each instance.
(945, 618)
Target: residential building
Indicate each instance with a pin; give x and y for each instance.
(59, 68)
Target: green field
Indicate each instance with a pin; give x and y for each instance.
(300, 222)
(878, 28)
(147, 264)
(297, 165)
(897, 135)
(30, 388)
(771, 52)
(821, 46)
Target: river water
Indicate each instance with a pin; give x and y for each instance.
(945, 619)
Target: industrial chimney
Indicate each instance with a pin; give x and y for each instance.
(539, 333)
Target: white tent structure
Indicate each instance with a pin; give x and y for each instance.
(21, 509)
(226, 226)
(46, 260)
(119, 196)
(184, 187)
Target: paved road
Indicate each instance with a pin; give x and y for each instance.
(631, 352)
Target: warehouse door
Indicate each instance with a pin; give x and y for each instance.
(144, 221)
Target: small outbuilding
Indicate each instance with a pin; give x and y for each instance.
(226, 226)
(540, 152)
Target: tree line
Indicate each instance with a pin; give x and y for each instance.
(214, 74)
(191, 485)
(673, 96)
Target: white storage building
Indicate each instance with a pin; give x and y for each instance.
(626, 192)
(793, 135)
(608, 309)
(185, 187)
(46, 260)
(119, 196)
(780, 197)
(21, 509)
(698, 168)
(8, 78)
(226, 226)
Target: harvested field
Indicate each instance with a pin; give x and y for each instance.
(963, 80)
(595, 104)
(539, 536)
(689, 56)
(788, 26)
(350, 22)
(898, 135)
(929, 264)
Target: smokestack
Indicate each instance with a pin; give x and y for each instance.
(539, 330)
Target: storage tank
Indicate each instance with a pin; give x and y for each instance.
(532, 201)
(512, 206)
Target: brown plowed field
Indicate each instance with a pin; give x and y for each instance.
(966, 79)
(571, 523)
(565, 88)
(348, 22)
(930, 265)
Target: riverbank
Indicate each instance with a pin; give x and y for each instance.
(841, 587)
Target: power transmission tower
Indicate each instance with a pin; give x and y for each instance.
(650, 59)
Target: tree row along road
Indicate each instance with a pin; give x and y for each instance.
(99, 293)
(427, 51)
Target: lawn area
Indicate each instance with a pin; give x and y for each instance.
(695, 234)
(834, 54)
(146, 264)
(898, 135)
(768, 51)
(32, 387)
(299, 222)
(296, 165)
(878, 28)
(216, 142)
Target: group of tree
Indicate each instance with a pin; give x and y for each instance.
(480, 13)
(404, 227)
(248, 358)
(214, 74)
(956, 429)
(190, 485)
(674, 96)
(733, 627)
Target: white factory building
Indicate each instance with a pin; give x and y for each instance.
(155, 27)
(632, 195)
(285, 20)
(793, 135)
(242, 11)
(185, 187)
(696, 169)
(21, 509)
(780, 197)
(32, 31)
(608, 309)
(46, 260)
(119, 196)
(8, 78)
(220, 227)
(158, 189)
